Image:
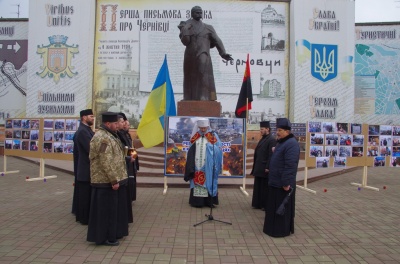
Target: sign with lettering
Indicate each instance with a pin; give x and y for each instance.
(61, 36)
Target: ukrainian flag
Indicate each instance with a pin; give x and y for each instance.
(161, 104)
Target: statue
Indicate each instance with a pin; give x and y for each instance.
(199, 38)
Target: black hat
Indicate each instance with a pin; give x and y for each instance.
(283, 123)
(86, 112)
(109, 117)
(122, 115)
(264, 124)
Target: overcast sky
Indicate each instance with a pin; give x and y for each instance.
(366, 10)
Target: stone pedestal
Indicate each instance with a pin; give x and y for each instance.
(199, 108)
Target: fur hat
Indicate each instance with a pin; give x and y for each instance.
(283, 123)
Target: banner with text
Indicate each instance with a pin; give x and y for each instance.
(132, 39)
(60, 57)
(13, 68)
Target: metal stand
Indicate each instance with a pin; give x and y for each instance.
(210, 216)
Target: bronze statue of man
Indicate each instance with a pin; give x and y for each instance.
(199, 38)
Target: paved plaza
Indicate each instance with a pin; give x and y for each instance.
(341, 225)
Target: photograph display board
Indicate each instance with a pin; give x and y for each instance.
(40, 138)
(331, 144)
(231, 132)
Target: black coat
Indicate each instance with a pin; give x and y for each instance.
(285, 161)
(262, 156)
(81, 140)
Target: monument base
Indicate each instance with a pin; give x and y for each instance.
(199, 108)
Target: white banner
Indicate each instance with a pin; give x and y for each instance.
(60, 70)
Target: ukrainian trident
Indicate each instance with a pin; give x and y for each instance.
(57, 58)
(324, 61)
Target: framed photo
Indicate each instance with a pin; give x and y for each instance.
(396, 131)
(16, 144)
(26, 134)
(316, 151)
(35, 124)
(345, 151)
(331, 151)
(48, 124)
(17, 123)
(356, 128)
(339, 162)
(317, 139)
(58, 147)
(69, 135)
(328, 127)
(358, 140)
(342, 128)
(25, 145)
(71, 124)
(385, 151)
(8, 123)
(34, 145)
(48, 147)
(322, 162)
(379, 161)
(331, 139)
(34, 135)
(8, 144)
(25, 123)
(58, 135)
(357, 152)
(373, 130)
(17, 133)
(372, 151)
(385, 130)
(396, 152)
(373, 140)
(69, 148)
(395, 162)
(385, 141)
(396, 141)
(314, 127)
(9, 133)
(59, 124)
(345, 140)
(48, 136)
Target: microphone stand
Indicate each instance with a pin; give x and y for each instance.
(210, 217)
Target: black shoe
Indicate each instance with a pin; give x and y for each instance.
(109, 243)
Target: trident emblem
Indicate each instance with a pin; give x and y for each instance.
(324, 67)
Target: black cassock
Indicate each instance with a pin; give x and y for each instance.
(103, 215)
(262, 156)
(276, 225)
(82, 190)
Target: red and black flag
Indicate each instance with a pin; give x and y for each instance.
(246, 93)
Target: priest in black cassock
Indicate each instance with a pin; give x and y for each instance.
(82, 190)
(260, 170)
(282, 178)
(132, 167)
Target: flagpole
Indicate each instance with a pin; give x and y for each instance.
(243, 188)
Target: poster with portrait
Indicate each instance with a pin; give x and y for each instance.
(230, 131)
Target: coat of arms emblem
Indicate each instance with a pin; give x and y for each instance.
(324, 61)
(57, 58)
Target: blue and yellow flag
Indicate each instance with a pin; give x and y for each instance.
(161, 104)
